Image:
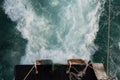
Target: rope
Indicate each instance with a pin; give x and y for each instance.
(29, 72)
(79, 74)
(108, 50)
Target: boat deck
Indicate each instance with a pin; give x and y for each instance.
(75, 69)
(50, 72)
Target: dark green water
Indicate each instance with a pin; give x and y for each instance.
(14, 44)
(102, 38)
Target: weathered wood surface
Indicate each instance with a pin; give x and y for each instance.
(100, 71)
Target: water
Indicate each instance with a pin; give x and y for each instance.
(101, 39)
(57, 30)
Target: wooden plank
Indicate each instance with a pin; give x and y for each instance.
(99, 71)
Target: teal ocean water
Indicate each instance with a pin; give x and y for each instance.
(58, 30)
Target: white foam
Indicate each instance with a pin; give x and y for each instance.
(71, 37)
(54, 3)
(119, 44)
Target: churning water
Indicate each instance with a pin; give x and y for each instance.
(56, 29)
